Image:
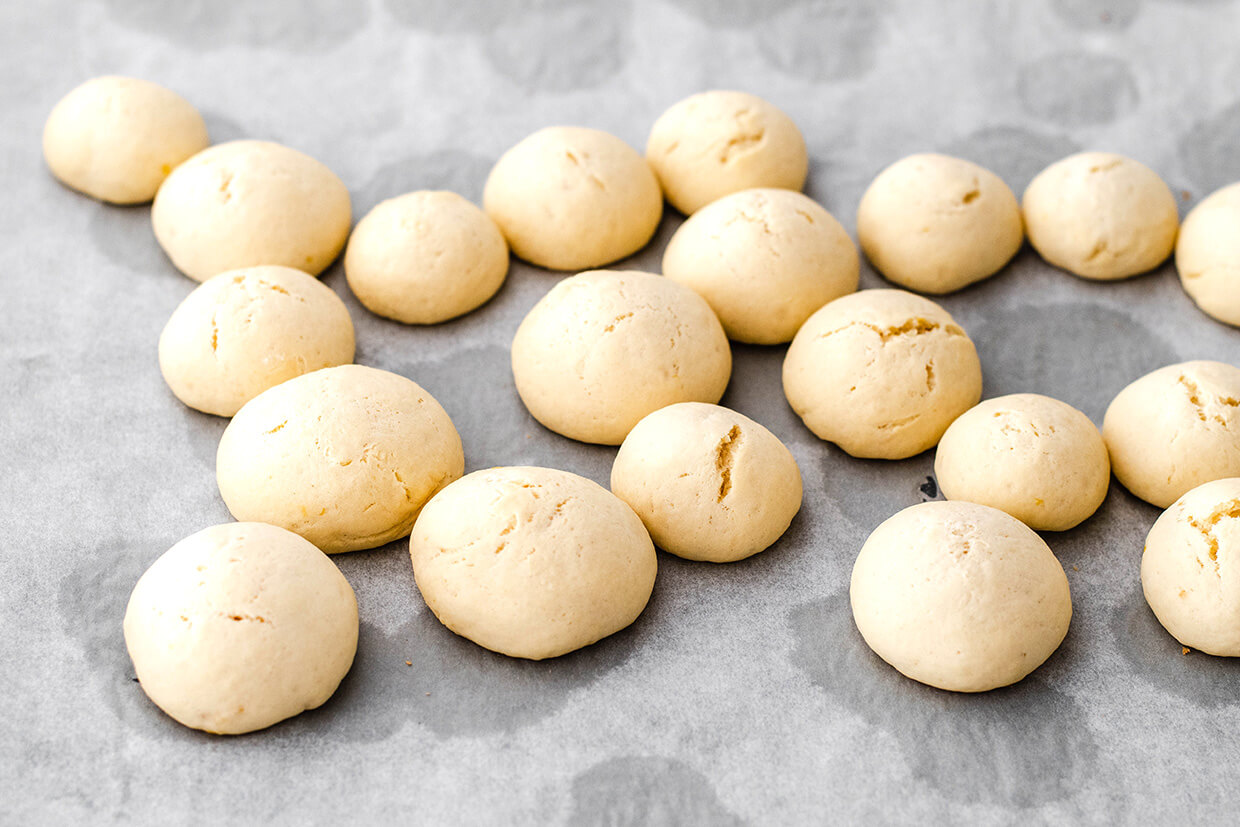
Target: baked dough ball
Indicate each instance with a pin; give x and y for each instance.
(603, 349)
(719, 142)
(532, 562)
(881, 373)
(1174, 429)
(117, 138)
(1101, 216)
(244, 331)
(240, 626)
(1038, 459)
(934, 224)
(960, 596)
(570, 198)
(1188, 569)
(1207, 254)
(248, 203)
(425, 257)
(345, 457)
(765, 260)
(709, 483)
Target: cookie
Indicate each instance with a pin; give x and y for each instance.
(344, 456)
(239, 627)
(881, 373)
(715, 143)
(602, 349)
(1186, 569)
(570, 198)
(250, 203)
(1174, 429)
(1207, 255)
(1100, 216)
(935, 224)
(1036, 458)
(708, 483)
(116, 138)
(765, 260)
(959, 596)
(244, 331)
(532, 562)
(425, 257)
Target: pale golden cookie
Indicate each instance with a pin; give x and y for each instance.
(240, 626)
(960, 596)
(532, 562)
(345, 457)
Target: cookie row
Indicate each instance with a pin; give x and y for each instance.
(882, 373)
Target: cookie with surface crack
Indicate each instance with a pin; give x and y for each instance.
(1174, 429)
(346, 457)
(1100, 216)
(719, 142)
(571, 198)
(709, 483)
(602, 349)
(935, 224)
(1189, 572)
(881, 373)
(240, 626)
(765, 260)
(244, 331)
(532, 562)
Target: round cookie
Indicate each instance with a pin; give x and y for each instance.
(117, 138)
(1174, 429)
(1207, 254)
(707, 482)
(934, 224)
(719, 142)
(1034, 457)
(960, 596)
(1186, 570)
(532, 562)
(425, 257)
(881, 373)
(570, 198)
(1100, 216)
(249, 203)
(244, 331)
(602, 349)
(240, 626)
(344, 456)
(765, 260)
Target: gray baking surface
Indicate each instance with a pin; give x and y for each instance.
(743, 695)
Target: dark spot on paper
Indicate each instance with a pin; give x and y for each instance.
(987, 748)
(1077, 88)
(1155, 657)
(454, 686)
(633, 791)
(1032, 349)
(824, 41)
(1016, 155)
(1211, 150)
(493, 434)
(317, 25)
(454, 170)
(92, 598)
(559, 47)
(929, 489)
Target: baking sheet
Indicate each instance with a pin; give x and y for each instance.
(744, 694)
